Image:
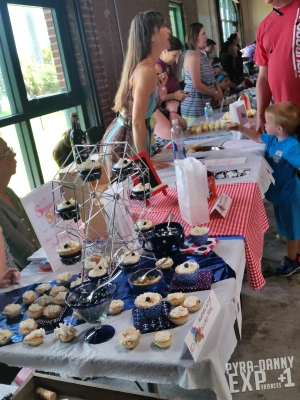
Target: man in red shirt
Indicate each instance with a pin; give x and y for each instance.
(278, 56)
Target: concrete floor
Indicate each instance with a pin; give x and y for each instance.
(270, 331)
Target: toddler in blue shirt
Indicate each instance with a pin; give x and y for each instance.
(283, 154)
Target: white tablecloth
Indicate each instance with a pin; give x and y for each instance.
(147, 363)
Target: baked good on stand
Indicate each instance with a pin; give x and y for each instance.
(68, 210)
(175, 299)
(129, 338)
(35, 338)
(29, 296)
(27, 326)
(35, 311)
(12, 310)
(141, 192)
(123, 167)
(63, 279)
(179, 315)
(65, 332)
(69, 252)
(149, 304)
(192, 303)
(188, 273)
(97, 272)
(163, 339)
(130, 259)
(164, 263)
(90, 170)
(144, 227)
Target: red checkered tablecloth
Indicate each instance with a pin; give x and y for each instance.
(246, 217)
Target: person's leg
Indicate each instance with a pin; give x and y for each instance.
(292, 249)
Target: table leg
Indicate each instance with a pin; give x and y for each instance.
(152, 387)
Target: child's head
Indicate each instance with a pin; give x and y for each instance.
(283, 119)
(223, 81)
(217, 70)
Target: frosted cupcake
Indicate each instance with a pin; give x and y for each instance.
(67, 210)
(12, 310)
(35, 338)
(163, 339)
(141, 192)
(192, 303)
(130, 259)
(164, 263)
(116, 306)
(65, 332)
(144, 227)
(179, 315)
(63, 279)
(188, 273)
(149, 304)
(97, 272)
(5, 336)
(29, 297)
(130, 338)
(199, 235)
(27, 326)
(90, 170)
(175, 299)
(69, 252)
(123, 167)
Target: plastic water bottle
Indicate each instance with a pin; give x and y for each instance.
(177, 141)
(208, 112)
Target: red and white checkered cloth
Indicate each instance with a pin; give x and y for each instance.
(246, 217)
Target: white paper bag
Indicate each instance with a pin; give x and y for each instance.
(238, 113)
(192, 189)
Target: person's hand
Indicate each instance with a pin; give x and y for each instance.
(11, 276)
(180, 95)
(260, 125)
(160, 165)
(218, 96)
(172, 105)
(233, 126)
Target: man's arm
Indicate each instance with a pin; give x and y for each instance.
(263, 96)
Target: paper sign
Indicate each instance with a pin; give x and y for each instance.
(238, 312)
(222, 204)
(40, 210)
(238, 113)
(201, 327)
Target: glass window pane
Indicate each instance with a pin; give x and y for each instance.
(5, 107)
(47, 131)
(173, 23)
(40, 58)
(19, 182)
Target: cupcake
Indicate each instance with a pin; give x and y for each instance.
(44, 265)
(65, 332)
(141, 192)
(130, 259)
(144, 227)
(97, 273)
(35, 311)
(60, 299)
(199, 235)
(179, 315)
(12, 310)
(68, 210)
(129, 338)
(149, 304)
(44, 300)
(192, 303)
(163, 339)
(5, 336)
(123, 167)
(96, 258)
(116, 306)
(90, 170)
(52, 311)
(164, 263)
(175, 299)
(77, 282)
(63, 279)
(35, 338)
(70, 252)
(43, 288)
(90, 265)
(29, 297)
(27, 326)
(58, 289)
(188, 273)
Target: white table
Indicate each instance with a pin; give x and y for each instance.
(147, 363)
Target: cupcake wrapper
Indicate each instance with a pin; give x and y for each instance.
(151, 312)
(199, 240)
(188, 279)
(91, 176)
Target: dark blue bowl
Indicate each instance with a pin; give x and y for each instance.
(152, 287)
(164, 245)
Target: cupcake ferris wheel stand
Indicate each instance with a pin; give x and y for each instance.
(98, 213)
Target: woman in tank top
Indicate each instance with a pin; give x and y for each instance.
(199, 75)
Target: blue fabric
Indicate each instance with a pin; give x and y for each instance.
(284, 158)
(220, 269)
(220, 77)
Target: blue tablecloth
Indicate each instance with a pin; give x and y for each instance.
(220, 269)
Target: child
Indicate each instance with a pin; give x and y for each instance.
(283, 154)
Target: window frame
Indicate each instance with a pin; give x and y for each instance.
(235, 23)
(176, 8)
(25, 109)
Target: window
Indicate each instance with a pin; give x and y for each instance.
(176, 18)
(38, 86)
(228, 16)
